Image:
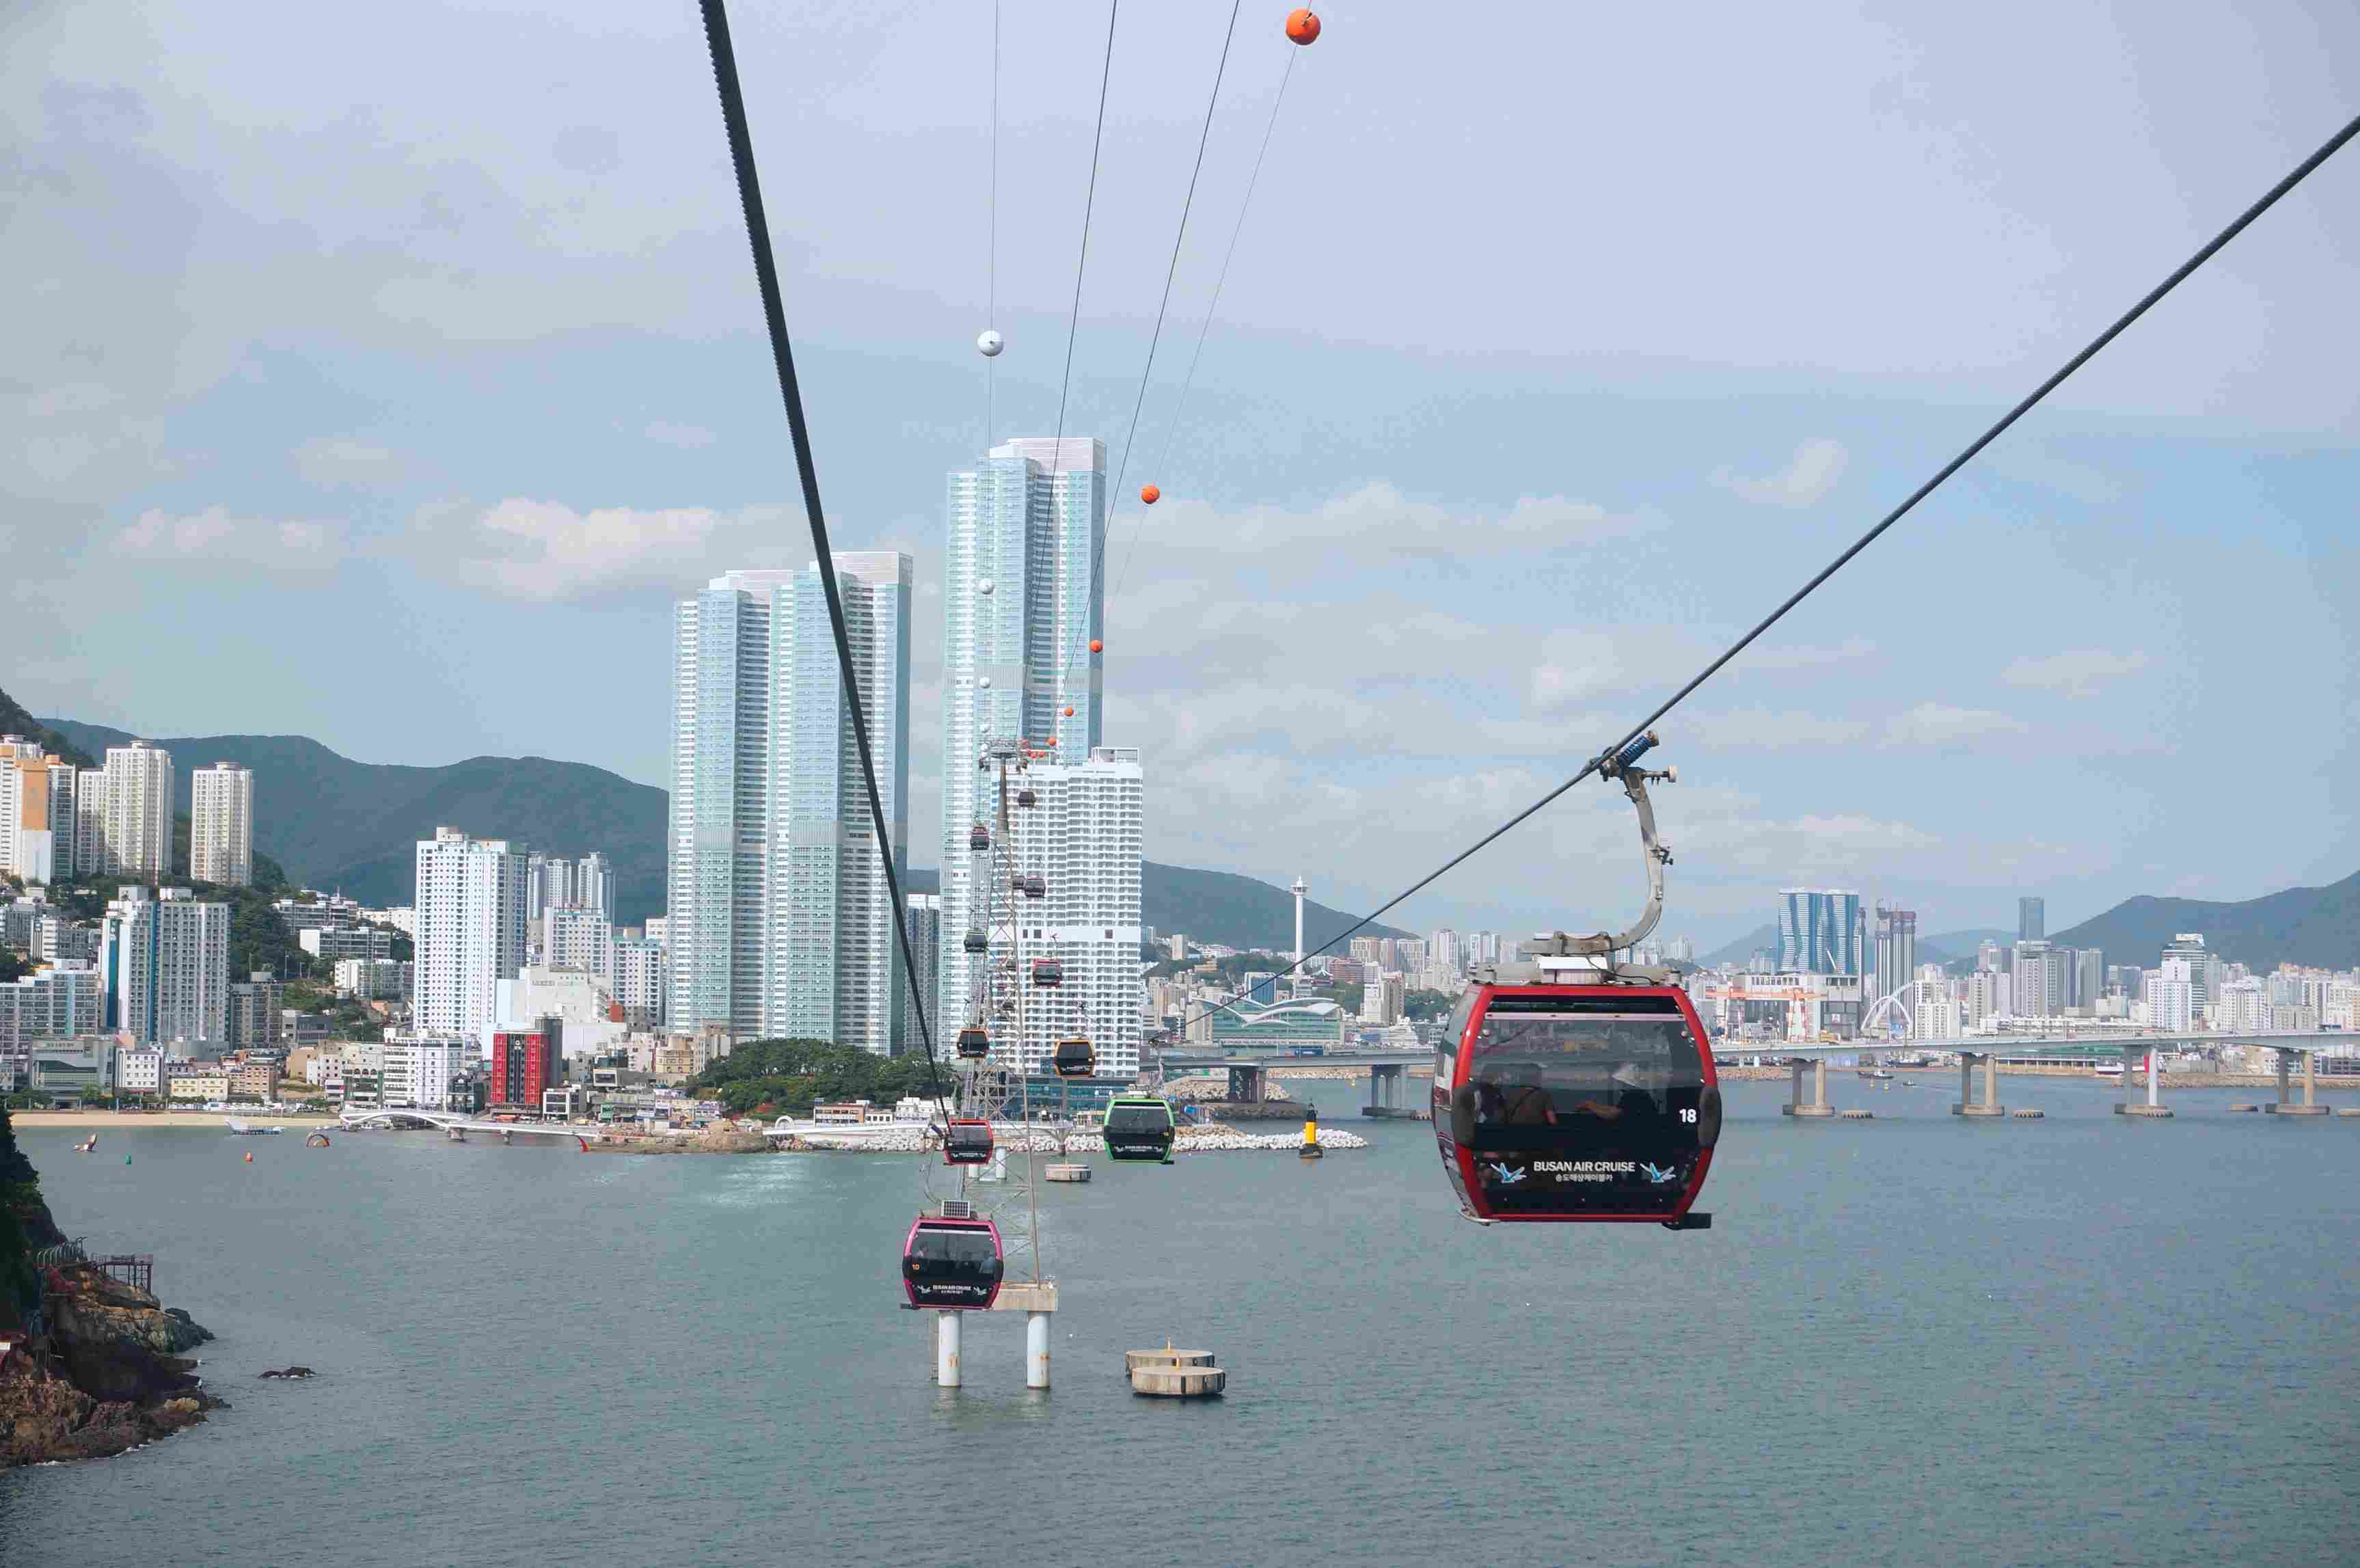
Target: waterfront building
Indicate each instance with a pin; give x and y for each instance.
(55, 1003)
(471, 929)
(1024, 599)
(165, 958)
(220, 825)
(523, 1062)
(419, 1070)
(123, 814)
(139, 1070)
(1279, 1027)
(1082, 839)
(780, 921)
(2031, 919)
(1819, 931)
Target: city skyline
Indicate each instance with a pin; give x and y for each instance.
(1386, 599)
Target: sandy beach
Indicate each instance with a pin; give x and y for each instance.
(136, 1120)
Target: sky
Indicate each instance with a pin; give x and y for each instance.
(386, 381)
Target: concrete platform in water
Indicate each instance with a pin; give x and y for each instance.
(1170, 1374)
(1068, 1173)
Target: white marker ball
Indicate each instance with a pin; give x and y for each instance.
(984, 588)
(988, 344)
(983, 681)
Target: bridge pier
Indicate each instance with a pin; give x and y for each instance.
(2310, 1107)
(1816, 1105)
(1968, 1104)
(1245, 1085)
(2153, 1109)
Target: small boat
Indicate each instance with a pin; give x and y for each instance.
(2108, 1069)
(1877, 1072)
(87, 1144)
(238, 1129)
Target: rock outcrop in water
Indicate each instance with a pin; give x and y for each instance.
(94, 1366)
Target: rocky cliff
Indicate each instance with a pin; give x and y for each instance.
(93, 1366)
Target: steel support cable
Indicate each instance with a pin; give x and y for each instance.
(1221, 281)
(2180, 275)
(1171, 270)
(1082, 263)
(991, 245)
(774, 317)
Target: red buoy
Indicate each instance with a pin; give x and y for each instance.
(1302, 25)
(1149, 494)
(1097, 646)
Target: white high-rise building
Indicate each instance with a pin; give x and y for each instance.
(594, 884)
(124, 812)
(420, 1069)
(640, 977)
(1083, 840)
(548, 885)
(220, 825)
(780, 921)
(166, 963)
(471, 930)
(578, 939)
(1023, 602)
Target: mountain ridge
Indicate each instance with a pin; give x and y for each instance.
(337, 824)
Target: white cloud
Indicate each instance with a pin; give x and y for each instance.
(343, 460)
(683, 436)
(1762, 728)
(1935, 724)
(213, 536)
(1376, 518)
(546, 551)
(1803, 658)
(2078, 672)
(1817, 465)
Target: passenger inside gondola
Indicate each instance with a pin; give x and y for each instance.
(1583, 1085)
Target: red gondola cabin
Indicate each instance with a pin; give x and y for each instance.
(954, 1264)
(1573, 1102)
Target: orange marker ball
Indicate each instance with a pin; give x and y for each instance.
(1302, 25)
(1097, 646)
(1069, 713)
(1149, 494)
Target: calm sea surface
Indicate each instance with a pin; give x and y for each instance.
(1913, 1339)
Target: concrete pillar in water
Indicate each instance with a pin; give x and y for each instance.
(1966, 1078)
(1037, 1350)
(1820, 1084)
(946, 1350)
(2310, 1075)
(1991, 1080)
(2151, 1076)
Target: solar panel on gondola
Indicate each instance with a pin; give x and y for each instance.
(1570, 1087)
(952, 1263)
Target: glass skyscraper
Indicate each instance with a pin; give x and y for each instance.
(779, 920)
(1023, 598)
(1819, 931)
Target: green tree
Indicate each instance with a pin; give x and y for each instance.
(1420, 1004)
(795, 1075)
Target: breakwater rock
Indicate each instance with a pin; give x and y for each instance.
(104, 1373)
(714, 1141)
